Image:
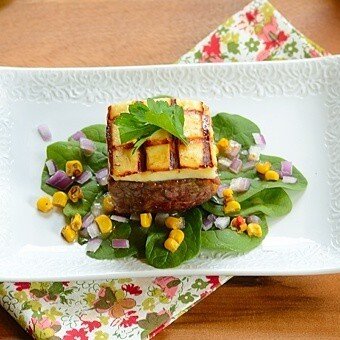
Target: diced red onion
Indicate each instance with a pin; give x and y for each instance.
(286, 168)
(254, 153)
(45, 132)
(87, 146)
(248, 165)
(120, 243)
(253, 219)
(289, 179)
(60, 180)
(84, 177)
(160, 219)
(208, 223)
(240, 184)
(134, 217)
(78, 135)
(223, 163)
(51, 167)
(96, 209)
(220, 190)
(118, 218)
(102, 176)
(93, 230)
(234, 149)
(87, 220)
(236, 166)
(93, 245)
(222, 222)
(259, 140)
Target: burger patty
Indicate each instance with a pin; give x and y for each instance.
(162, 196)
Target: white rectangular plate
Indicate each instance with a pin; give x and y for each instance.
(295, 103)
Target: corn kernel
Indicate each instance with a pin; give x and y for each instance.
(108, 204)
(177, 235)
(271, 175)
(171, 245)
(76, 222)
(223, 145)
(262, 168)
(59, 199)
(75, 194)
(69, 234)
(145, 220)
(174, 222)
(104, 223)
(44, 204)
(232, 207)
(228, 193)
(254, 229)
(242, 227)
(73, 168)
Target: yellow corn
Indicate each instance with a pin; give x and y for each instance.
(44, 204)
(228, 192)
(69, 234)
(177, 235)
(223, 144)
(262, 168)
(242, 227)
(232, 207)
(75, 194)
(59, 199)
(254, 229)
(104, 224)
(171, 245)
(108, 204)
(76, 222)
(145, 220)
(271, 175)
(73, 168)
(174, 222)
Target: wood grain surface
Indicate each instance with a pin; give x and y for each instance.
(135, 32)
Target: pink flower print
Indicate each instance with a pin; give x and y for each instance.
(213, 47)
(271, 36)
(75, 334)
(168, 284)
(263, 55)
(314, 53)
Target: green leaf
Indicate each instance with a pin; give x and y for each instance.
(159, 257)
(229, 240)
(56, 288)
(234, 127)
(96, 133)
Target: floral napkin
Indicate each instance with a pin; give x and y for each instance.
(140, 308)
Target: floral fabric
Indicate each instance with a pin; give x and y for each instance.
(140, 308)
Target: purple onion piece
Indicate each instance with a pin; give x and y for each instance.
(289, 179)
(118, 218)
(208, 223)
(93, 245)
(84, 177)
(120, 243)
(93, 230)
(87, 220)
(234, 149)
(51, 167)
(254, 153)
(248, 165)
(222, 222)
(45, 132)
(236, 166)
(96, 209)
(240, 184)
(253, 219)
(286, 168)
(220, 190)
(102, 176)
(87, 146)
(259, 140)
(60, 180)
(78, 135)
(160, 219)
(223, 163)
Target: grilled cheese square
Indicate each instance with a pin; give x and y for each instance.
(158, 157)
(125, 162)
(159, 137)
(191, 155)
(193, 125)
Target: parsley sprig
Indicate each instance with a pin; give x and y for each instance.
(144, 120)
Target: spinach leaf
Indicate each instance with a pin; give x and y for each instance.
(234, 127)
(90, 190)
(159, 257)
(230, 240)
(96, 133)
(106, 252)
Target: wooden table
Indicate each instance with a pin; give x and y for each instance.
(130, 32)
